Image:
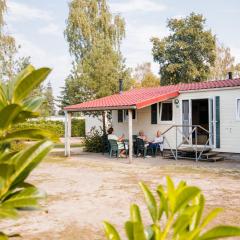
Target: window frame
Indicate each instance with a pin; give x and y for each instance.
(160, 112)
(125, 115)
(119, 110)
(238, 107)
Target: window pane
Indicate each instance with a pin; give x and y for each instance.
(120, 115)
(133, 114)
(166, 112)
(154, 113)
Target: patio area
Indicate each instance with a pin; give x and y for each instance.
(87, 188)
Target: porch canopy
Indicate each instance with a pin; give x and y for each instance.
(129, 100)
(137, 99)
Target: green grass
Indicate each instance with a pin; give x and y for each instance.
(74, 145)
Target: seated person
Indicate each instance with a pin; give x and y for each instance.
(142, 136)
(112, 136)
(158, 141)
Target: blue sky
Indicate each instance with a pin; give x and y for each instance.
(38, 27)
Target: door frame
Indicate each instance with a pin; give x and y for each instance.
(213, 122)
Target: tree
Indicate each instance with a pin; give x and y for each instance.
(94, 36)
(144, 77)
(223, 64)
(187, 54)
(48, 105)
(10, 64)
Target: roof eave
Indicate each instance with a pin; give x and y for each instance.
(99, 108)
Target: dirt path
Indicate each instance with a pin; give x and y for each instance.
(84, 191)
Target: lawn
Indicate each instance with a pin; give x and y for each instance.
(87, 189)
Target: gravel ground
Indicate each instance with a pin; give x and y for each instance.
(86, 189)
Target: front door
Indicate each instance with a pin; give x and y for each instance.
(198, 112)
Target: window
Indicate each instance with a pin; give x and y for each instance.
(120, 115)
(238, 109)
(154, 113)
(166, 111)
(133, 114)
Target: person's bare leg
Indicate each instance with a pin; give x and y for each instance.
(122, 153)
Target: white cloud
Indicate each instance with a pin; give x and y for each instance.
(51, 29)
(137, 5)
(61, 64)
(235, 51)
(23, 12)
(137, 47)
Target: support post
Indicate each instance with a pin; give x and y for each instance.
(68, 116)
(130, 146)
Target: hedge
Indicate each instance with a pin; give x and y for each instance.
(78, 126)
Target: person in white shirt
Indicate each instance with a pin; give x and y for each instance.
(158, 141)
(112, 136)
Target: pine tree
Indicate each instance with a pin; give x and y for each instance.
(48, 106)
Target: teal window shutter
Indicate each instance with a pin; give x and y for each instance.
(217, 103)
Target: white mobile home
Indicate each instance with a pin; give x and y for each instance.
(201, 114)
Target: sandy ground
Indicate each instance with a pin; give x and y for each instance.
(88, 188)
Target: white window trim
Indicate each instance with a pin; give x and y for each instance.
(237, 114)
(160, 112)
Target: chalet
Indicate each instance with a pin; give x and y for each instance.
(204, 114)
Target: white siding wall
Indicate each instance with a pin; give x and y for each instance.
(229, 125)
(91, 122)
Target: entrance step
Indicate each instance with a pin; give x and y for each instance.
(213, 159)
(209, 154)
(189, 154)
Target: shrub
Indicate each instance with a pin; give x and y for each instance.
(178, 215)
(78, 126)
(93, 141)
(16, 107)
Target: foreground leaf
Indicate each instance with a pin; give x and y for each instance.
(26, 198)
(220, 232)
(150, 201)
(184, 196)
(111, 232)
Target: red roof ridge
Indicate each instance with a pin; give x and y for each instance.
(142, 97)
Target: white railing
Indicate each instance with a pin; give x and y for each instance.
(187, 139)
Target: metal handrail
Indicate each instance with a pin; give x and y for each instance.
(185, 138)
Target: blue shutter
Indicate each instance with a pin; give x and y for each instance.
(217, 103)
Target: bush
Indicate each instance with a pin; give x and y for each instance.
(78, 126)
(177, 214)
(93, 141)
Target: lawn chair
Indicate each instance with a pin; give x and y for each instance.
(158, 149)
(105, 144)
(113, 148)
(141, 147)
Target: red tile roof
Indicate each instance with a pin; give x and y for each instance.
(139, 98)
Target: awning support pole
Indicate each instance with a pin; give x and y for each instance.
(130, 146)
(68, 116)
(104, 122)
